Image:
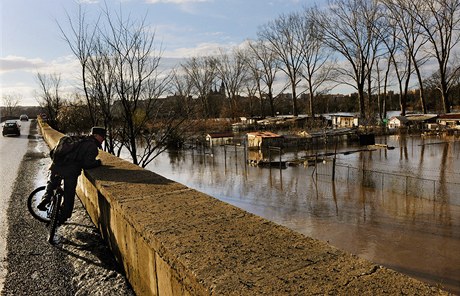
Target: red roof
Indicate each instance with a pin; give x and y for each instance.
(450, 116)
(221, 135)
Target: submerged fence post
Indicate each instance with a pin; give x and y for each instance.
(348, 173)
(383, 181)
(407, 181)
(280, 158)
(333, 168)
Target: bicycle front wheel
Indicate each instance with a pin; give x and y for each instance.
(32, 202)
(55, 209)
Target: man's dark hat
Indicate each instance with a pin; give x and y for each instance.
(97, 130)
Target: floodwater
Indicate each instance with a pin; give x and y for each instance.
(398, 207)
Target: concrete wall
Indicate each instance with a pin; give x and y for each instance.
(173, 240)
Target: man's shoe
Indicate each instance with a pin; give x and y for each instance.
(42, 206)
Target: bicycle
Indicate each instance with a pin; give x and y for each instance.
(52, 214)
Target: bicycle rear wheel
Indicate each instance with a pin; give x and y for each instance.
(32, 202)
(54, 219)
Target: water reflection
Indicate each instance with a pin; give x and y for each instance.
(411, 223)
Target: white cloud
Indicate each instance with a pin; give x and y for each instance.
(15, 63)
(202, 49)
(15, 68)
(186, 6)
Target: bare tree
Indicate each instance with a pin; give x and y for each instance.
(99, 84)
(348, 29)
(123, 83)
(74, 116)
(317, 63)
(232, 71)
(254, 78)
(398, 57)
(390, 41)
(264, 66)
(440, 21)
(137, 86)
(88, 43)
(182, 89)
(80, 38)
(201, 73)
(286, 37)
(410, 35)
(50, 97)
(10, 102)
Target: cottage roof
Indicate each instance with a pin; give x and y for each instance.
(221, 135)
(452, 116)
(400, 118)
(263, 135)
(421, 117)
(343, 115)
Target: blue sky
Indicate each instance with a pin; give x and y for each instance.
(31, 41)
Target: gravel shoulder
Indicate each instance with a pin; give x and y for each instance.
(80, 264)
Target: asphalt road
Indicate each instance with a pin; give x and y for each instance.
(16, 147)
(80, 264)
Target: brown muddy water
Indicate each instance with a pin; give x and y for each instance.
(398, 207)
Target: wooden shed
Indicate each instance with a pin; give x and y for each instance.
(264, 139)
(451, 120)
(397, 122)
(219, 138)
(344, 120)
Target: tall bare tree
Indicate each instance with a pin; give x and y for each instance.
(50, 97)
(440, 21)
(317, 62)
(232, 71)
(137, 85)
(80, 38)
(348, 28)
(400, 15)
(201, 72)
(398, 57)
(99, 84)
(264, 66)
(287, 39)
(182, 89)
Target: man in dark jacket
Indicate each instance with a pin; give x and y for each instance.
(86, 153)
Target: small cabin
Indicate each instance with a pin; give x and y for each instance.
(449, 120)
(397, 122)
(213, 139)
(421, 121)
(344, 121)
(264, 139)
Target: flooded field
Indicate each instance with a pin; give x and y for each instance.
(398, 207)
